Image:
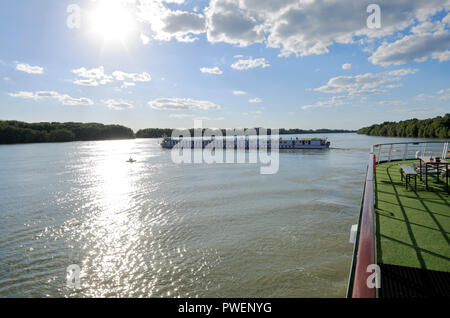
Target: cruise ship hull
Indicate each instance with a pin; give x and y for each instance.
(296, 144)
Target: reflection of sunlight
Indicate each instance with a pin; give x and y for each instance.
(114, 227)
(116, 184)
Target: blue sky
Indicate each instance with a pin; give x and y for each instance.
(233, 63)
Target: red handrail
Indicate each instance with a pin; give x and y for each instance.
(366, 246)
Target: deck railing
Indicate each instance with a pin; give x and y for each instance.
(410, 150)
(364, 250)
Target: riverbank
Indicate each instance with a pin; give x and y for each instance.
(17, 132)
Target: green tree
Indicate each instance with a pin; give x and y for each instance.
(437, 127)
(61, 135)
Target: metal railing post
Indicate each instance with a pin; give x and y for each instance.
(390, 152)
(379, 153)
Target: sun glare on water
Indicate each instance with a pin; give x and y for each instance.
(112, 22)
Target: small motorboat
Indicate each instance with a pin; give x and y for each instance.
(131, 160)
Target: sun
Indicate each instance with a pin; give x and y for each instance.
(112, 21)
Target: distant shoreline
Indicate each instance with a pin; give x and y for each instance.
(167, 132)
(14, 132)
(435, 128)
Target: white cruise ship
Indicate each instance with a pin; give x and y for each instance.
(292, 143)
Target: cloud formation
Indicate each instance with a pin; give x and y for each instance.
(97, 76)
(228, 22)
(166, 24)
(346, 66)
(117, 104)
(363, 84)
(250, 63)
(333, 101)
(428, 41)
(304, 28)
(135, 77)
(255, 100)
(175, 104)
(348, 87)
(393, 102)
(30, 69)
(213, 70)
(62, 98)
(194, 117)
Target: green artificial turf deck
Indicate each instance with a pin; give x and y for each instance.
(412, 227)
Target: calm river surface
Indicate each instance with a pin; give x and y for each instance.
(158, 229)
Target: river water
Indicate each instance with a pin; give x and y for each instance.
(159, 229)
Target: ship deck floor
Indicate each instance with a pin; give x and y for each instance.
(412, 233)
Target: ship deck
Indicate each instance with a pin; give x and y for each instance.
(412, 234)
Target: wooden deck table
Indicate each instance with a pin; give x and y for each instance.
(428, 161)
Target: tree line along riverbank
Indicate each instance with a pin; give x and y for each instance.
(438, 127)
(18, 132)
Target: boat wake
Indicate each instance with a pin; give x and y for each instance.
(351, 149)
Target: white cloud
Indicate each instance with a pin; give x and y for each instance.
(86, 82)
(181, 25)
(181, 116)
(181, 104)
(62, 98)
(442, 95)
(415, 47)
(393, 102)
(334, 101)
(255, 100)
(175, 1)
(238, 93)
(420, 111)
(71, 101)
(97, 76)
(22, 94)
(422, 97)
(30, 69)
(194, 117)
(127, 84)
(91, 77)
(346, 66)
(250, 63)
(363, 84)
(294, 27)
(444, 91)
(228, 22)
(94, 73)
(117, 104)
(214, 70)
(403, 72)
(391, 86)
(166, 24)
(255, 113)
(428, 40)
(311, 27)
(135, 77)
